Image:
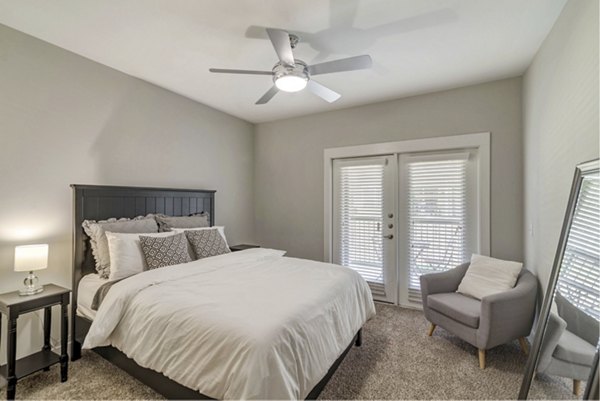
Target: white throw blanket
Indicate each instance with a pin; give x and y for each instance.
(246, 325)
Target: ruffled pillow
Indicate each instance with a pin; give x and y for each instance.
(96, 230)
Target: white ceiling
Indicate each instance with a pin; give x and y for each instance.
(417, 46)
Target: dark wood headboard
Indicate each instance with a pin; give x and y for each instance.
(95, 202)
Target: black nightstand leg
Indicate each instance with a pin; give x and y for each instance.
(47, 326)
(64, 330)
(11, 357)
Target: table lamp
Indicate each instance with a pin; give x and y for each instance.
(27, 259)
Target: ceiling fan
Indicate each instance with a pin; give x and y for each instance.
(293, 75)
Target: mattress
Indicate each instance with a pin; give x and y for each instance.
(88, 286)
(245, 325)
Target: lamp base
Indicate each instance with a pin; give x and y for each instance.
(31, 286)
(31, 291)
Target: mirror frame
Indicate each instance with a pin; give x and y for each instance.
(592, 390)
(581, 171)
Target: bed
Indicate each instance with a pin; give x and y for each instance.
(244, 345)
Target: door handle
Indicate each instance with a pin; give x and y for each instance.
(389, 236)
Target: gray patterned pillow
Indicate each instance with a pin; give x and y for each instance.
(207, 243)
(165, 251)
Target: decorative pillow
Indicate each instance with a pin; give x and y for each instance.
(207, 243)
(220, 228)
(166, 223)
(126, 256)
(96, 231)
(486, 276)
(165, 251)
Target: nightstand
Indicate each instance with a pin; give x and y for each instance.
(241, 247)
(13, 305)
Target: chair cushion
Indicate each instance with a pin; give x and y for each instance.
(574, 349)
(461, 308)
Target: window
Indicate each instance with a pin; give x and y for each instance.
(437, 216)
(579, 277)
(361, 215)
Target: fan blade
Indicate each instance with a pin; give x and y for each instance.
(281, 42)
(322, 91)
(248, 72)
(344, 64)
(268, 96)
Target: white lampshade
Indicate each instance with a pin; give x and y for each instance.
(31, 257)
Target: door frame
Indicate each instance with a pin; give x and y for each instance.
(479, 141)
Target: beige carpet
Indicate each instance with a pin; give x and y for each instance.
(397, 361)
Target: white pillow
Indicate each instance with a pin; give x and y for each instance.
(220, 228)
(486, 276)
(126, 256)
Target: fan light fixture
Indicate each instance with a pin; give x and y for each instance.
(290, 78)
(291, 83)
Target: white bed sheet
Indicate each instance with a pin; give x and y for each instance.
(88, 286)
(246, 325)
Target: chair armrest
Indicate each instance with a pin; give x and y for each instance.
(448, 281)
(508, 315)
(578, 322)
(554, 330)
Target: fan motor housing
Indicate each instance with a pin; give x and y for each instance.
(299, 69)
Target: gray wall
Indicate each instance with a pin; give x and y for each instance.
(289, 159)
(65, 119)
(560, 125)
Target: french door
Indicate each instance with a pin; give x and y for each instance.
(438, 204)
(364, 221)
(399, 216)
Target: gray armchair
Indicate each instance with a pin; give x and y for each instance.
(495, 320)
(569, 343)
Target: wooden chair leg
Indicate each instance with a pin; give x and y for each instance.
(482, 358)
(524, 346)
(576, 387)
(431, 328)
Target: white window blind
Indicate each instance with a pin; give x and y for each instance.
(579, 279)
(358, 204)
(437, 216)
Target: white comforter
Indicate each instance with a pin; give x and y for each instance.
(246, 325)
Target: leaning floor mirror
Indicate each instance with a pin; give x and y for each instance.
(563, 362)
